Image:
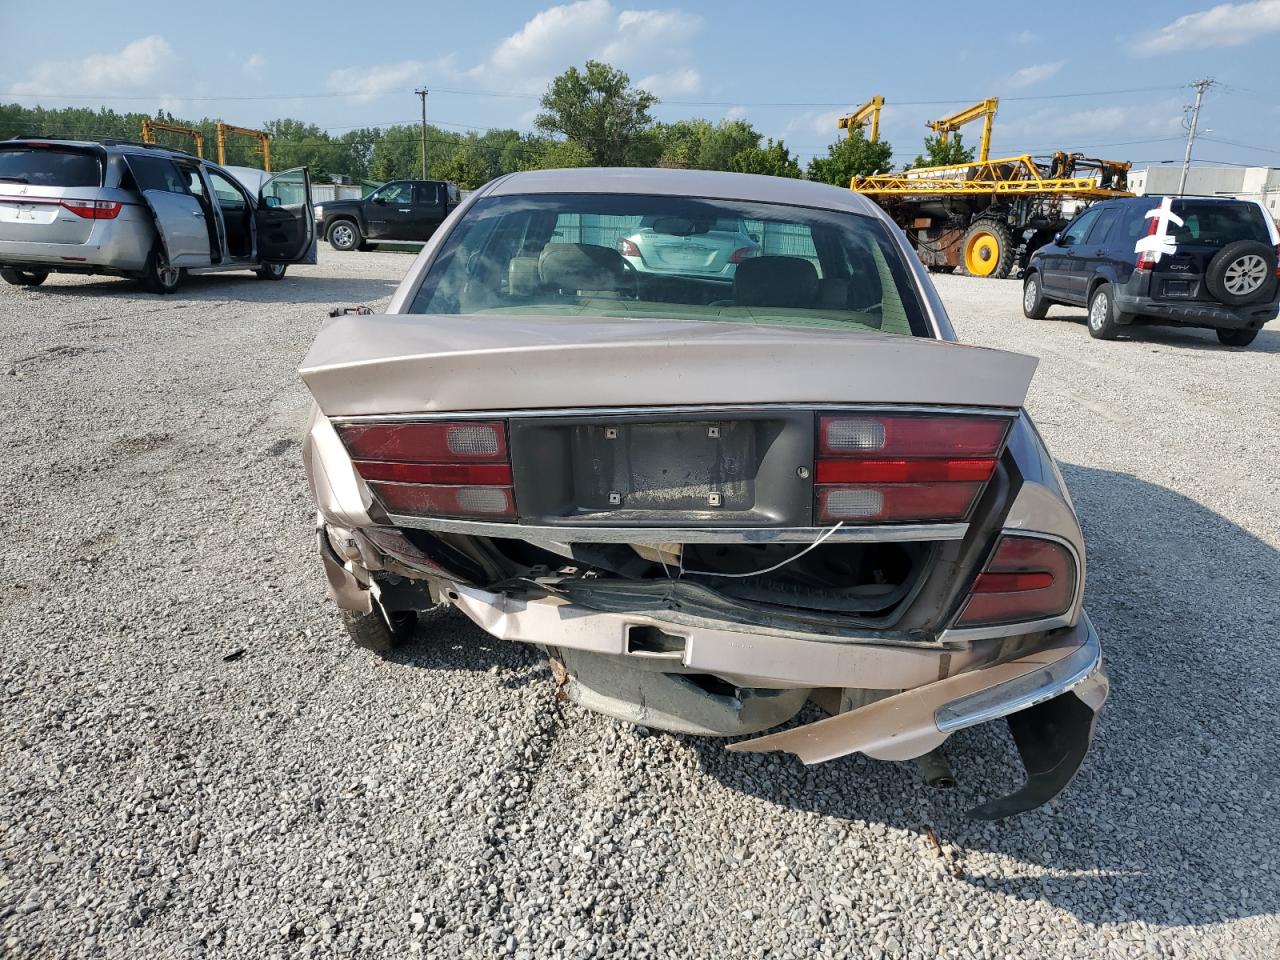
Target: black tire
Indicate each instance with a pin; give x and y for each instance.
(1104, 323)
(25, 278)
(157, 275)
(1236, 338)
(1034, 305)
(271, 271)
(1242, 273)
(987, 249)
(344, 235)
(380, 630)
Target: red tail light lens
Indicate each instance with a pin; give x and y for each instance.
(94, 209)
(897, 468)
(1027, 578)
(744, 253)
(435, 469)
(627, 248)
(1146, 260)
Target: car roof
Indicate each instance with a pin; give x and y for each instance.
(708, 184)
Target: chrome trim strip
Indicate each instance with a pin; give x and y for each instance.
(1023, 692)
(593, 534)
(702, 410)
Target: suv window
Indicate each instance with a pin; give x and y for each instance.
(1075, 233)
(427, 193)
(1102, 226)
(157, 173)
(48, 167)
(229, 196)
(394, 193)
(1218, 223)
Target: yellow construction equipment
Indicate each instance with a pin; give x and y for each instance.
(987, 217)
(264, 143)
(149, 128)
(869, 112)
(985, 109)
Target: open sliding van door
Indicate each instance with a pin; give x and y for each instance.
(179, 217)
(285, 219)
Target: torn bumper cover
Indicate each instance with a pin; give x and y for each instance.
(1051, 698)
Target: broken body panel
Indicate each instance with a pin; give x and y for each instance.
(662, 524)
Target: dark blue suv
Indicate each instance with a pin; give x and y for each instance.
(1190, 261)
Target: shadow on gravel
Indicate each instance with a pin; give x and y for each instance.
(446, 640)
(1193, 338)
(236, 287)
(1172, 818)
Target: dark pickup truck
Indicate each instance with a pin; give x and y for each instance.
(402, 211)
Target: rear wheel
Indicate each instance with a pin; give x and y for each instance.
(158, 276)
(25, 278)
(1103, 322)
(271, 271)
(1034, 305)
(380, 630)
(1236, 338)
(986, 250)
(344, 235)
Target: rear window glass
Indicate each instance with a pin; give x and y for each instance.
(1218, 224)
(48, 167)
(640, 256)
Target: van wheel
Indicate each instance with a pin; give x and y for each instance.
(25, 278)
(1034, 305)
(380, 630)
(271, 271)
(158, 276)
(1236, 338)
(344, 235)
(1103, 319)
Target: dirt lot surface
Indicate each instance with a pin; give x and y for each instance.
(194, 762)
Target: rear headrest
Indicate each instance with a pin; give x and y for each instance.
(775, 282)
(581, 266)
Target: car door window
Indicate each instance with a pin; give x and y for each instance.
(157, 173)
(1075, 233)
(228, 194)
(194, 184)
(1102, 226)
(395, 193)
(427, 194)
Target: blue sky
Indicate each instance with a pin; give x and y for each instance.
(789, 68)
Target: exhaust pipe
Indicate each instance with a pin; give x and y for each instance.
(934, 769)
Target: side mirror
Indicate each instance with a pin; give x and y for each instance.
(381, 201)
(1059, 240)
(272, 202)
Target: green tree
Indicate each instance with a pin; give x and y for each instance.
(599, 109)
(701, 145)
(773, 159)
(563, 154)
(469, 167)
(849, 157)
(939, 154)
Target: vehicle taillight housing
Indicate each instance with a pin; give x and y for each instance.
(628, 248)
(94, 209)
(744, 253)
(896, 468)
(1146, 259)
(460, 469)
(1027, 578)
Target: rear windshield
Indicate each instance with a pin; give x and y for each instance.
(1218, 224)
(50, 167)
(641, 256)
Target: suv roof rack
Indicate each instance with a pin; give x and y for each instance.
(106, 142)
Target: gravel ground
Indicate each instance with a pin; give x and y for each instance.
(196, 763)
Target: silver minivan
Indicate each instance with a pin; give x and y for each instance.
(145, 212)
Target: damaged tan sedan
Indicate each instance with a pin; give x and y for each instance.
(709, 499)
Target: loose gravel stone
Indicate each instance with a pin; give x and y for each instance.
(308, 799)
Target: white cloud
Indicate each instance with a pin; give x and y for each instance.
(1024, 37)
(1036, 73)
(137, 65)
(736, 113)
(255, 64)
(652, 44)
(365, 83)
(1053, 128)
(1226, 25)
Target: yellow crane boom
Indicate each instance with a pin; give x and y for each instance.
(868, 112)
(149, 128)
(264, 142)
(985, 109)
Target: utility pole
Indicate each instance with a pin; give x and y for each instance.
(422, 95)
(1201, 86)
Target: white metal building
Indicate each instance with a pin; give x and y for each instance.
(1249, 183)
